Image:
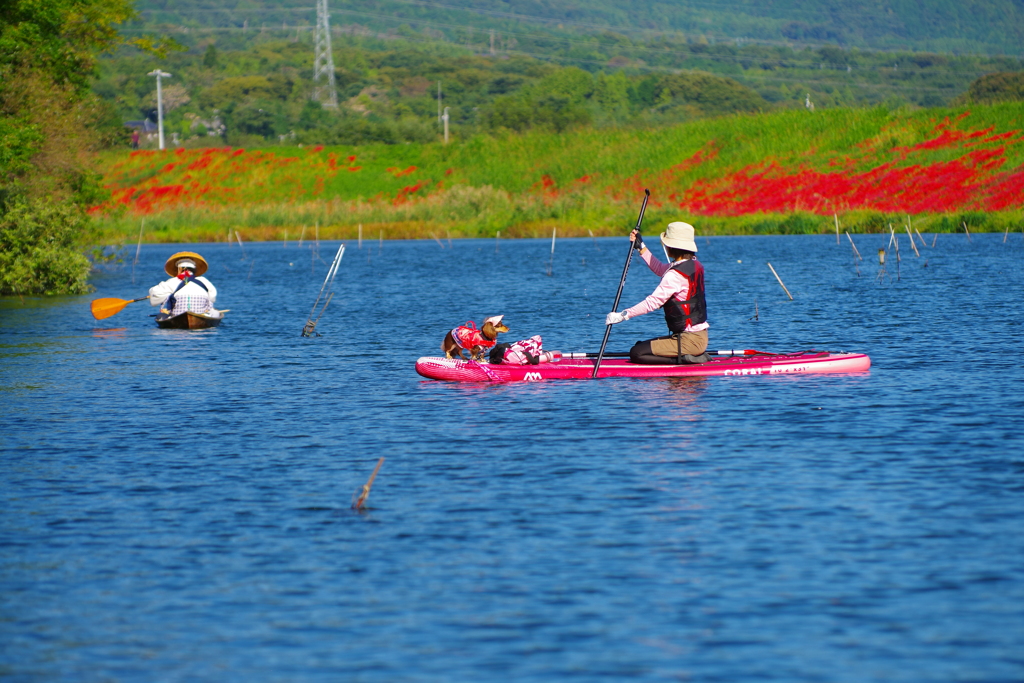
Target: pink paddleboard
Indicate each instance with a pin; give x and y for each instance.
(455, 370)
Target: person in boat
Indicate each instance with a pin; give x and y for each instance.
(680, 295)
(187, 290)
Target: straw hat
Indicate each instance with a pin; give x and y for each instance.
(199, 263)
(679, 236)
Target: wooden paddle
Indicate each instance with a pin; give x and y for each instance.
(104, 308)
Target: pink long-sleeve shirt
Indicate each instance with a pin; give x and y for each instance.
(672, 284)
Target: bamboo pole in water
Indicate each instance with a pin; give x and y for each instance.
(836, 216)
(853, 245)
(360, 235)
(551, 263)
(138, 248)
(780, 282)
(968, 232)
(912, 244)
(239, 238)
(497, 238)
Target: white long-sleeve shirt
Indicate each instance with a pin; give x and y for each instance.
(191, 297)
(673, 284)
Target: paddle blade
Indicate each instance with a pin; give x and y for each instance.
(104, 308)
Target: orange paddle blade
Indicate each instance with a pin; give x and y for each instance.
(104, 308)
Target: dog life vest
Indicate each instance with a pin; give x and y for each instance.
(682, 314)
(468, 336)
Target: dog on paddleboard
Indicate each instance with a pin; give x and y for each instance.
(468, 338)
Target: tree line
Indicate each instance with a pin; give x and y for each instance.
(388, 85)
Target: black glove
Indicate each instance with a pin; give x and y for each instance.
(638, 243)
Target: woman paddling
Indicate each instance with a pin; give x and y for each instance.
(187, 290)
(680, 294)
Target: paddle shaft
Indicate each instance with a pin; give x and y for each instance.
(622, 283)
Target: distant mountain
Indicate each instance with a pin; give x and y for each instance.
(942, 26)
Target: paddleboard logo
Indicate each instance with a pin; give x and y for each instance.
(532, 377)
(747, 371)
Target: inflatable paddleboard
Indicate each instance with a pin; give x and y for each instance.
(568, 367)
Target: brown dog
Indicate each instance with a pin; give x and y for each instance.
(467, 337)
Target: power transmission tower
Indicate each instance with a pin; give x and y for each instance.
(323, 63)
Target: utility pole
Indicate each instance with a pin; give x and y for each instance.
(444, 117)
(159, 104)
(323, 61)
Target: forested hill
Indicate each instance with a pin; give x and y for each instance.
(942, 26)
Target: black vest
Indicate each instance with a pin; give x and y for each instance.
(693, 311)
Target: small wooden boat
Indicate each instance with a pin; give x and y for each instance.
(189, 320)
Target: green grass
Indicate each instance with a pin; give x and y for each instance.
(583, 181)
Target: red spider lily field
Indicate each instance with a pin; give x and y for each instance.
(772, 173)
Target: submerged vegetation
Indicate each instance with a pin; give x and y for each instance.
(777, 172)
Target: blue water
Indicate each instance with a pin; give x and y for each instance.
(175, 506)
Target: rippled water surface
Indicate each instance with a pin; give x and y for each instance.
(175, 506)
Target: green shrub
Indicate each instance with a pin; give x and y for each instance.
(39, 249)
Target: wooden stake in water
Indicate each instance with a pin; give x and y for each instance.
(364, 493)
(968, 232)
(239, 238)
(780, 282)
(449, 236)
(138, 248)
(551, 263)
(857, 253)
(898, 259)
(836, 216)
(1006, 234)
(439, 243)
(360, 235)
(497, 238)
(934, 237)
(920, 237)
(594, 239)
(912, 244)
(380, 246)
(301, 235)
(756, 314)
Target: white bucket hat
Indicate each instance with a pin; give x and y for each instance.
(679, 236)
(494, 319)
